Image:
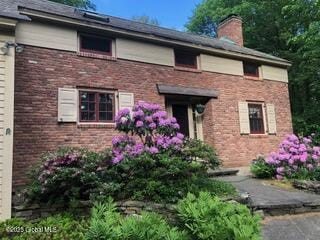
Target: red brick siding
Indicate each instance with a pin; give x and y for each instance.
(40, 72)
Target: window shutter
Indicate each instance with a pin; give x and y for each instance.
(244, 118)
(271, 116)
(67, 104)
(126, 100)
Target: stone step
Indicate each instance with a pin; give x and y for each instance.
(273, 200)
(222, 172)
(284, 209)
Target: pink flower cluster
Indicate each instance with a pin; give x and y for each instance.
(147, 129)
(53, 164)
(294, 154)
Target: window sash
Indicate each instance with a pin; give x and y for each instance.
(178, 54)
(82, 49)
(97, 103)
(256, 122)
(256, 66)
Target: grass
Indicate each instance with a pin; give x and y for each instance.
(284, 184)
(216, 187)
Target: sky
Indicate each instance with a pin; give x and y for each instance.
(169, 13)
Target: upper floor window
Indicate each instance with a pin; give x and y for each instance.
(96, 106)
(185, 59)
(256, 118)
(251, 69)
(95, 44)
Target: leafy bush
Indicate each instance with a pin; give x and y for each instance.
(151, 161)
(296, 158)
(51, 228)
(302, 128)
(195, 149)
(107, 224)
(207, 217)
(65, 175)
(147, 130)
(161, 177)
(261, 169)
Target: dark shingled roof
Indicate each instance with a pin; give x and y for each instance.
(9, 8)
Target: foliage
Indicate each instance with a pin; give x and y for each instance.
(285, 28)
(146, 19)
(84, 4)
(156, 132)
(296, 158)
(161, 178)
(207, 217)
(107, 224)
(54, 228)
(261, 169)
(195, 149)
(65, 175)
(152, 161)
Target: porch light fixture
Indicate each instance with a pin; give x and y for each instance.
(200, 108)
(8, 45)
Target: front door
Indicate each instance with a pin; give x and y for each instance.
(180, 112)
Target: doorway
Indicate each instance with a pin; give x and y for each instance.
(180, 112)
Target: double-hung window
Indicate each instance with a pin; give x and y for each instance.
(256, 118)
(96, 106)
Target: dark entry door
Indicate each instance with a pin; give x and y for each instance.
(180, 112)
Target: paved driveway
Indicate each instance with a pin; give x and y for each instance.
(292, 227)
(279, 202)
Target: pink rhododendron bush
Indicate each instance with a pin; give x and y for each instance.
(149, 160)
(297, 158)
(147, 130)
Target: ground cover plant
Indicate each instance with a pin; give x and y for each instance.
(297, 158)
(198, 218)
(207, 217)
(106, 223)
(56, 227)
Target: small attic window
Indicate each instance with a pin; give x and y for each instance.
(95, 44)
(251, 69)
(185, 59)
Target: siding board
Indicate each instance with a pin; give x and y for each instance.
(45, 35)
(221, 65)
(274, 73)
(144, 52)
(6, 121)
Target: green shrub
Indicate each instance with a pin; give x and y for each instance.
(198, 150)
(107, 224)
(71, 174)
(261, 169)
(65, 175)
(207, 217)
(160, 178)
(56, 227)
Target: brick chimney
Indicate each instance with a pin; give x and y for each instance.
(231, 28)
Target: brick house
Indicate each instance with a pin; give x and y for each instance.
(65, 72)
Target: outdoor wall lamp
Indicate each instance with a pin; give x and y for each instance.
(200, 108)
(8, 45)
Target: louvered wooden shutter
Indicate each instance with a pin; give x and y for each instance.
(67, 104)
(271, 117)
(126, 100)
(244, 118)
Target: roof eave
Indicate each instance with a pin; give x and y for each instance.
(95, 25)
(14, 16)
